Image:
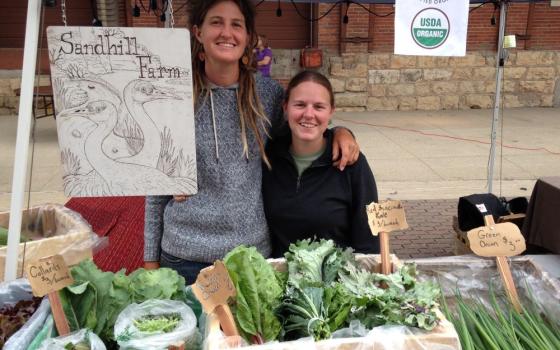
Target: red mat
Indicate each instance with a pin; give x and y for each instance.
(121, 219)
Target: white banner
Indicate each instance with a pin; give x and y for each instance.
(431, 27)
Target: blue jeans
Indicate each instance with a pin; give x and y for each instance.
(186, 268)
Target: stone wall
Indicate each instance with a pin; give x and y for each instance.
(383, 81)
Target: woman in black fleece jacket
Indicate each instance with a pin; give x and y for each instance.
(304, 195)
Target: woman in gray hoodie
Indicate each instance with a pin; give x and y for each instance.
(235, 112)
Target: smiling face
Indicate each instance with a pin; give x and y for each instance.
(223, 33)
(308, 110)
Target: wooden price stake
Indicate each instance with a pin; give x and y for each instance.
(385, 217)
(213, 287)
(499, 241)
(47, 276)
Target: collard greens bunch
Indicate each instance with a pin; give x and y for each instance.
(96, 298)
(323, 291)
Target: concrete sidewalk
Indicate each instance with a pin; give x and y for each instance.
(444, 154)
(427, 159)
(414, 155)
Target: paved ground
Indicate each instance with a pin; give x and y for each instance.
(430, 231)
(427, 159)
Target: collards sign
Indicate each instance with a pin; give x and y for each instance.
(431, 27)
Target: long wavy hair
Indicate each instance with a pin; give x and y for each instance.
(251, 112)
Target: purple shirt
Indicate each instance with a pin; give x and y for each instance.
(265, 70)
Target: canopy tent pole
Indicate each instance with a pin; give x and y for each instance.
(22, 140)
(500, 60)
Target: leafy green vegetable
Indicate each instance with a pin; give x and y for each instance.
(314, 305)
(258, 294)
(323, 291)
(163, 283)
(158, 323)
(4, 236)
(96, 298)
(13, 317)
(404, 301)
(79, 346)
(326, 290)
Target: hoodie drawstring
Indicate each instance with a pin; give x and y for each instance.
(214, 126)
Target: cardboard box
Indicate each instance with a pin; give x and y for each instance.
(54, 229)
(443, 336)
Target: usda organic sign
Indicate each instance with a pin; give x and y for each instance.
(430, 28)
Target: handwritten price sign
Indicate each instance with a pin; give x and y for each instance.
(497, 240)
(48, 275)
(386, 216)
(213, 286)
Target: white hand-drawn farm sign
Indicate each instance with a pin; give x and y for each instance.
(124, 110)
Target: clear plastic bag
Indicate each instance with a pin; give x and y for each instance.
(472, 275)
(12, 292)
(25, 335)
(47, 331)
(130, 337)
(53, 229)
(82, 336)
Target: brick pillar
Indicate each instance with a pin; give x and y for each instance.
(354, 36)
(328, 28)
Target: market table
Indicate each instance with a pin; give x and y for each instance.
(45, 95)
(542, 223)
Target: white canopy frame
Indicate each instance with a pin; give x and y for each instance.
(26, 105)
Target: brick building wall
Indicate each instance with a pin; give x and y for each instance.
(367, 76)
(536, 25)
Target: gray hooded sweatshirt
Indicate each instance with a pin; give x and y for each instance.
(227, 211)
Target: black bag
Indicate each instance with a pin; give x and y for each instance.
(518, 205)
(472, 209)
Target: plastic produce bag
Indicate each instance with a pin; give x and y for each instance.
(46, 332)
(472, 275)
(129, 336)
(12, 292)
(83, 336)
(25, 335)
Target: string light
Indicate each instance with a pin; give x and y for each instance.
(345, 18)
(279, 10)
(136, 10)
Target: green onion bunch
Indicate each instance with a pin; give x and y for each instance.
(500, 326)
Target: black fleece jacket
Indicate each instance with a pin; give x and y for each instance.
(323, 202)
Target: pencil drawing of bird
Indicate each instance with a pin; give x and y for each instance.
(136, 94)
(122, 178)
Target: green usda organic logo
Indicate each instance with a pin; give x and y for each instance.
(430, 28)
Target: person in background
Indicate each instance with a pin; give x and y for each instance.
(263, 55)
(304, 195)
(235, 112)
